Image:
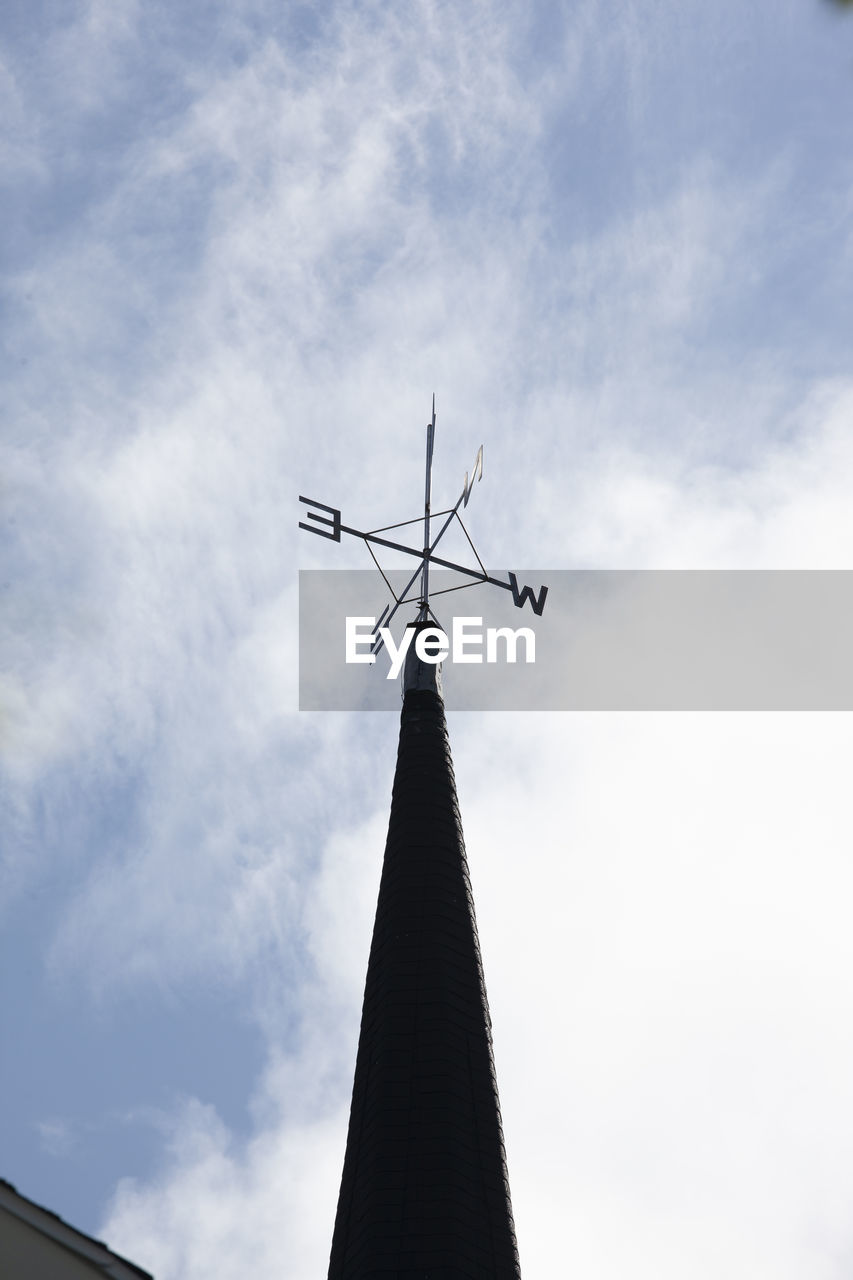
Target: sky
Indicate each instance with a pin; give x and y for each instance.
(243, 243)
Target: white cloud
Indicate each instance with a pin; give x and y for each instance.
(781, 508)
(224, 1211)
(666, 953)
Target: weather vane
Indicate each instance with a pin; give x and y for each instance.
(425, 554)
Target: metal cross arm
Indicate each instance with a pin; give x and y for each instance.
(519, 594)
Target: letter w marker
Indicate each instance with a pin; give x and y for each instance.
(537, 603)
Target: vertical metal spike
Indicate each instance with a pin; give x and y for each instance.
(424, 608)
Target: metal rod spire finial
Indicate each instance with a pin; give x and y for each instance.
(424, 602)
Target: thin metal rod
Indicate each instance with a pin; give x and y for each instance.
(404, 593)
(381, 570)
(383, 528)
(427, 495)
(413, 551)
(450, 514)
(463, 586)
(470, 543)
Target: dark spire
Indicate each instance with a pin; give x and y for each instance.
(424, 1192)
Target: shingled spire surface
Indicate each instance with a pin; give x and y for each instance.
(424, 1193)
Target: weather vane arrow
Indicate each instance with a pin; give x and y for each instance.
(331, 526)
